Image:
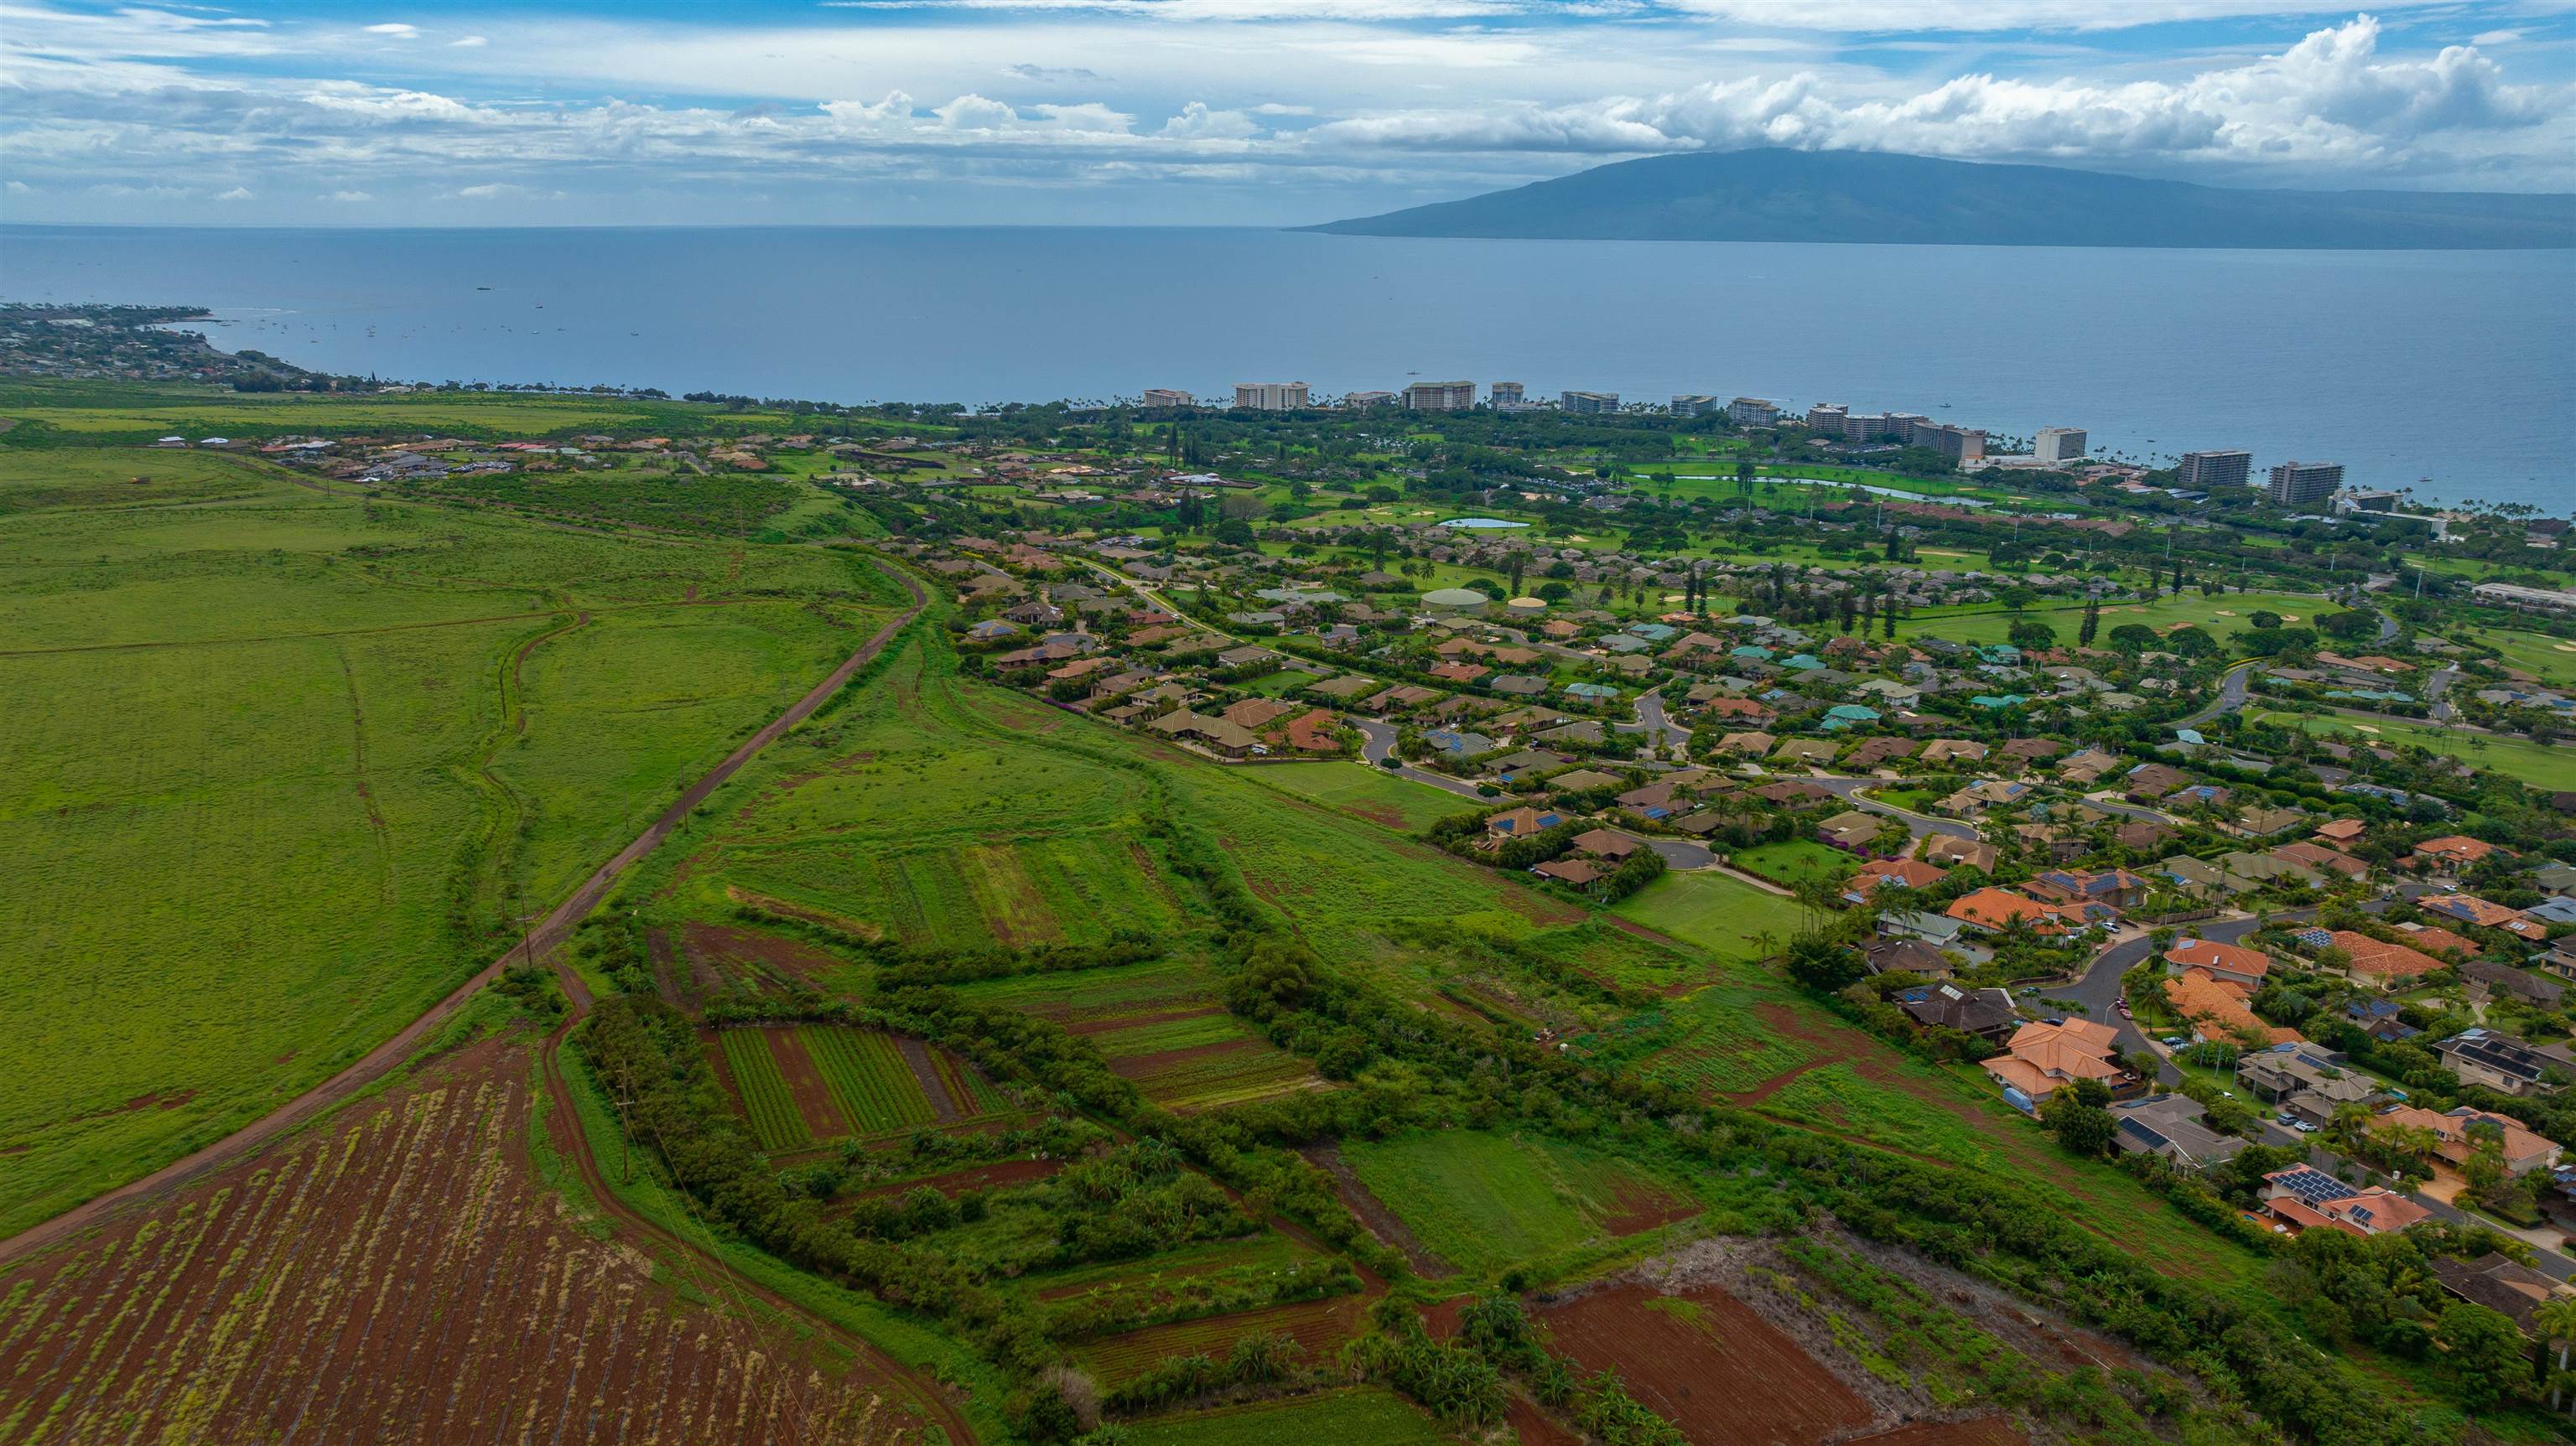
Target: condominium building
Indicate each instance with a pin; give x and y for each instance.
(1270, 396)
(2201, 471)
(2305, 484)
(1166, 397)
(1588, 401)
(1369, 399)
(1752, 412)
(1958, 444)
(1508, 396)
(1440, 396)
(2057, 444)
(1693, 406)
(1827, 417)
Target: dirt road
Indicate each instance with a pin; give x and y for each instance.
(549, 932)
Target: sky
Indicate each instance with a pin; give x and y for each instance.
(1210, 112)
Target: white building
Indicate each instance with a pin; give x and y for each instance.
(1270, 396)
(2054, 445)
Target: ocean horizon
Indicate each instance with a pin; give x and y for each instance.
(2453, 372)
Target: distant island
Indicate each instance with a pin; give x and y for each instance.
(1869, 197)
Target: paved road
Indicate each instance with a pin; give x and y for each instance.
(2099, 988)
(2231, 695)
(1377, 744)
(1657, 730)
(1917, 824)
(2437, 684)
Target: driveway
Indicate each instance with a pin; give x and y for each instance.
(1377, 744)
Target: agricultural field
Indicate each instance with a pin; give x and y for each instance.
(353, 743)
(917, 819)
(1728, 917)
(405, 1261)
(1704, 1361)
(1317, 1326)
(1161, 1025)
(1726, 1039)
(2541, 765)
(799, 1085)
(1359, 1416)
(1484, 1201)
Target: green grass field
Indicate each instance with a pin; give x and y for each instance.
(1355, 1416)
(1726, 916)
(2552, 660)
(1371, 793)
(2223, 616)
(1486, 1201)
(2540, 765)
(317, 754)
(1795, 862)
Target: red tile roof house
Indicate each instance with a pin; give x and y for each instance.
(2044, 1055)
(2382, 963)
(1891, 874)
(2232, 962)
(2455, 851)
(1992, 910)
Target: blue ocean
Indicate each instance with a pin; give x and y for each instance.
(2450, 372)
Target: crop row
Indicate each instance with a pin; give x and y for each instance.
(775, 1120)
(869, 1078)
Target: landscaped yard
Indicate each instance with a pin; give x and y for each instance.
(1795, 862)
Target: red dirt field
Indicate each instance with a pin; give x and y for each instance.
(736, 951)
(1983, 1431)
(1642, 1207)
(1532, 1426)
(1704, 1361)
(400, 1274)
(1320, 1326)
(805, 1084)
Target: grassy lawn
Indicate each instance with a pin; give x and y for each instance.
(1372, 793)
(318, 753)
(1798, 861)
(1726, 916)
(2223, 616)
(1914, 800)
(2537, 764)
(2542, 656)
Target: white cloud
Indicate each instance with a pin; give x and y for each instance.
(19, 188)
(468, 42)
(1197, 122)
(395, 29)
(237, 193)
(351, 196)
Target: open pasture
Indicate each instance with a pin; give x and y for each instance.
(322, 754)
(404, 1262)
(1370, 793)
(1485, 1201)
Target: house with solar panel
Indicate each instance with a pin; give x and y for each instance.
(2306, 1198)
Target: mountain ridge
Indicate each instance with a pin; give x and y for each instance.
(1876, 197)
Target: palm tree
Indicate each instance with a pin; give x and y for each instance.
(2556, 1320)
